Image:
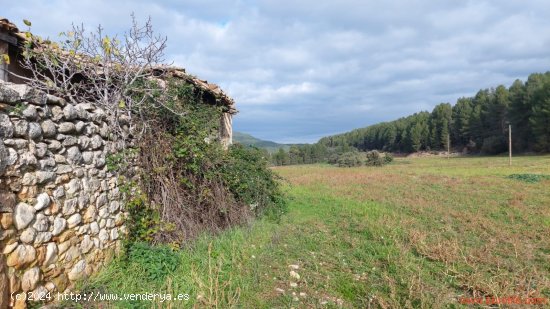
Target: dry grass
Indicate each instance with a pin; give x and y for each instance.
(486, 234)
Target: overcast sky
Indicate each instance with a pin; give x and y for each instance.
(300, 70)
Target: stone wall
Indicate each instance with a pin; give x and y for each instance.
(60, 206)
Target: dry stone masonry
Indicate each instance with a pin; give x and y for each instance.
(61, 211)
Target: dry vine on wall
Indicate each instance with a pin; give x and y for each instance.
(115, 73)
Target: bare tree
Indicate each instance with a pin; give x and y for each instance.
(115, 73)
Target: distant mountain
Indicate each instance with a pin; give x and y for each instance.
(249, 140)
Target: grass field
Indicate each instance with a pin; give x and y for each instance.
(419, 233)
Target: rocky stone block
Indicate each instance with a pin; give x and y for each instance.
(42, 237)
(74, 220)
(103, 235)
(44, 176)
(46, 164)
(90, 214)
(70, 112)
(10, 247)
(6, 127)
(30, 279)
(41, 223)
(72, 254)
(51, 254)
(7, 202)
(20, 128)
(31, 113)
(86, 244)
(42, 201)
(70, 141)
(53, 100)
(69, 206)
(41, 149)
(17, 143)
(28, 159)
(34, 131)
(66, 128)
(6, 219)
(9, 95)
(101, 200)
(48, 128)
(83, 200)
(21, 256)
(12, 156)
(59, 225)
(29, 94)
(72, 187)
(114, 234)
(74, 155)
(28, 236)
(54, 145)
(79, 127)
(96, 142)
(77, 271)
(57, 113)
(87, 157)
(59, 192)
(23, 215)
(94, 228)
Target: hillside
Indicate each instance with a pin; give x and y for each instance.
(477, 124)
(249, 140)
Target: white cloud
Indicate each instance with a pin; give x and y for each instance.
(248, 95)
(299, 70)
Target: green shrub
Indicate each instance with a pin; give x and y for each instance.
(251, 182)
(157, 262)
(356, 158)
(374, 158)
(350, 159)
(143, 220)
(388, 158)
(333, 158)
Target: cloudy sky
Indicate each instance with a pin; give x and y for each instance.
(300, 70)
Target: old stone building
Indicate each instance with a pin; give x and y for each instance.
(61, 211)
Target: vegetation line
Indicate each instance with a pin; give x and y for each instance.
(476, 124)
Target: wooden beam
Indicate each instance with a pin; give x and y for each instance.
(4, 49)
(8, 38)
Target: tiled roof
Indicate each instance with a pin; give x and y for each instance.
(7, 26)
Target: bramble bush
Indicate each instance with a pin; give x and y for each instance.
(192, 185)
(249, 179)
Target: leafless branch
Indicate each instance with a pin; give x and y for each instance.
(116, 74)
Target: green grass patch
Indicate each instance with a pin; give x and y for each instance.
(530, 178)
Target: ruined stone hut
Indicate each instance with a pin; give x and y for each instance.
(61, 212)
